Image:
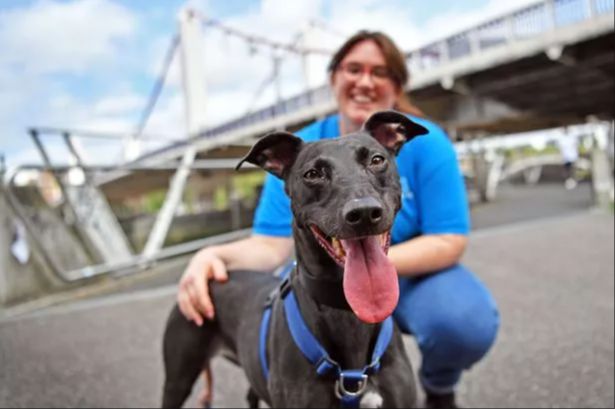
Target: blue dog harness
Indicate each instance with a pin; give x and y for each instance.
(350, 383)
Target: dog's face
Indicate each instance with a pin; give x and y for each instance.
(344, 195)
(344, 188)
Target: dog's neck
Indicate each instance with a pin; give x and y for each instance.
(318, 285)
(321, 277)
(324, 290)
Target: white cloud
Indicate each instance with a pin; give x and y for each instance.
(52, 55)
(169, 118)
(52, 37)
(119, 104)
(286, 15)
(393, 18)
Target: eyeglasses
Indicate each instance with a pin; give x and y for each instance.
(354, 71)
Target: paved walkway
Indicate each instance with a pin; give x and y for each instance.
(552, 278)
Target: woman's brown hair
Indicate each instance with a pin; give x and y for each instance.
(395, 61)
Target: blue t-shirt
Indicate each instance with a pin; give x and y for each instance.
(433, 193)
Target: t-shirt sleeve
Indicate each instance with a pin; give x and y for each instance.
(273, 216)
(442, 199)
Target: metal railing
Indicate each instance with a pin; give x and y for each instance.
(76, 216)
(530, 21)
(132, 263)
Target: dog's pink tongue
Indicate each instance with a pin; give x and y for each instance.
(370, 280)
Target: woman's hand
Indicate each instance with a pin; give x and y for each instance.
(193, 296)
(257, 253)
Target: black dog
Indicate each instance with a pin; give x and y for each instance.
(344, 194)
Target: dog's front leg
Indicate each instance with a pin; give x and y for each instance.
(396, 382)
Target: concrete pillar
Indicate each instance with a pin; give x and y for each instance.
(602, 173)
(480, 167)
(235, 209)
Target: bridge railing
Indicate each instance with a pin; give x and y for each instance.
(531, 21)
(293, 104)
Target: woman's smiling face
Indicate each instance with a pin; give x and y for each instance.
(362, 84)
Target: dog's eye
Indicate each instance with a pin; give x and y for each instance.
(312, 174)
(377, 160)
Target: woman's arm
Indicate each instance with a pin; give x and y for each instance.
(427, 254)
(260, 253)
(437, 202)
(257, 252)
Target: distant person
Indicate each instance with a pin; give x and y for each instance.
(443, 304)
(569, 148)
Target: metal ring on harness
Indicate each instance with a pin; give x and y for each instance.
(340, 387)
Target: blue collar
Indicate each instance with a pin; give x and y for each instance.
(350, 383)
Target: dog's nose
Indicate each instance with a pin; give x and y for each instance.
(366, 210)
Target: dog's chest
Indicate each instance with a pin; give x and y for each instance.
(294, 382)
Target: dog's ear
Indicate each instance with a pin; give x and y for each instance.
(392, 129)
(275, 152)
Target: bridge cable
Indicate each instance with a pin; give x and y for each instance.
(326, 27)
(275, 72)
(260, 90)
(253, 39)
(158, 85)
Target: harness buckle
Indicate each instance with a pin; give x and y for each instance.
(341, 390)
(326, 364)
(282, 289)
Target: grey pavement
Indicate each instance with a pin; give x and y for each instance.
(548, 260)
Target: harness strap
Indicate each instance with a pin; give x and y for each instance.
(264, 327)
(350, 384)
(382, 343)
(305, 340)
(262, 341)
(316, 354)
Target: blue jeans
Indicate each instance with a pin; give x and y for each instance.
(454, 319)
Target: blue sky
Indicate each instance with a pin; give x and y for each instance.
(90, 64)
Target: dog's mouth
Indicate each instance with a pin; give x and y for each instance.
(336, 248)
(370, 279)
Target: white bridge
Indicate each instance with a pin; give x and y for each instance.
(547, 65)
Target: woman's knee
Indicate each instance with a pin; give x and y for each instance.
(452, 315)
(463, 336)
